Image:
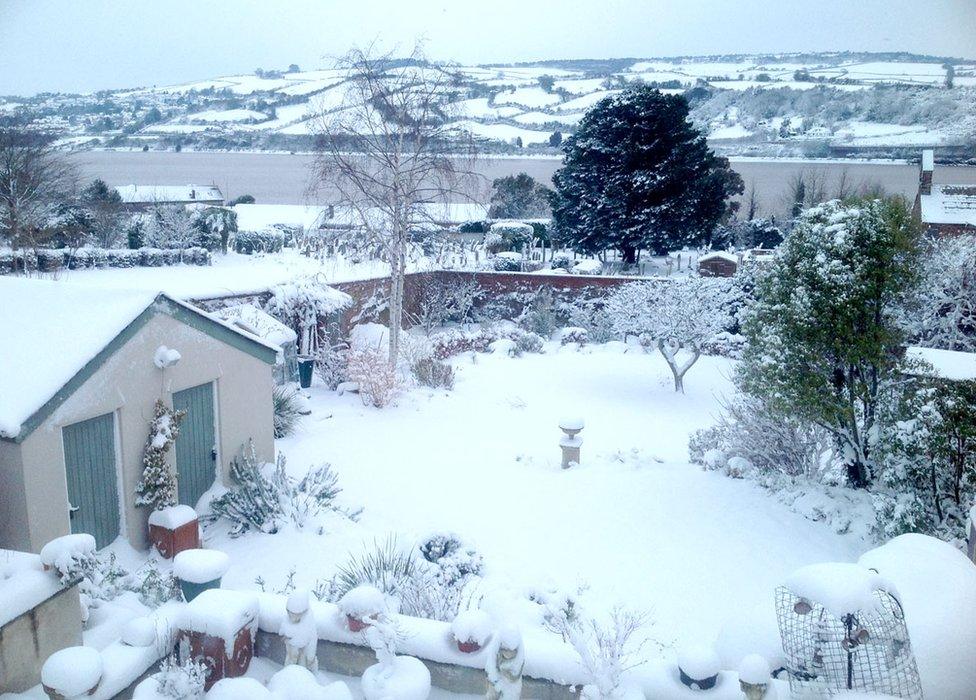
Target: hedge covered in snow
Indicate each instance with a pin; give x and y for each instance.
(52, 259)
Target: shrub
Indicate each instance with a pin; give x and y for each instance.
(287, 410)
(514, 234)
(454, 560)
(379, 383)
(539, 316)
(157, 587)
(181, 680)
(562, 261)
(526, 341)
(507, 262)
(574, 335)
(331, 363)
(269, 240)
(433, 373)
(263, 503)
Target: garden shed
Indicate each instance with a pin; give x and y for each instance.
(82, 370)
(262, 324)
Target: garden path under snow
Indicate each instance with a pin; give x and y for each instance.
(635, 522)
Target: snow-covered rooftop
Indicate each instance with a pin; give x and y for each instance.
(148, 194)
(719, 255)
(949, 204)
(258, 322)
(946, 364)
(52, 329)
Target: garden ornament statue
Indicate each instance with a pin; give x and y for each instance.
(570, 443)
(300, 632)
(505, 663)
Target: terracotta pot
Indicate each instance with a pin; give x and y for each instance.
(468, 647)
(169, 543)
(355, 624)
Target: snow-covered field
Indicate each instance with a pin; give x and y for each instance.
(635, 524)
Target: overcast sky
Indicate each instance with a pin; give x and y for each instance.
(83, 45)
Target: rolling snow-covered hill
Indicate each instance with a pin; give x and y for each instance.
(785, 105)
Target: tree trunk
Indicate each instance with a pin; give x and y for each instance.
(397, 272)
(670, 353)
(629, 254)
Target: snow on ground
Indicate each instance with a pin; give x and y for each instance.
(586, 101)
(478, 108)
(543, 118)
(503, 132)
(528, 97)
(229, 274)
(736, 131)
(227, 115)
(636, 522)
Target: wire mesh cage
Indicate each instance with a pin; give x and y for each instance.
(864, 650)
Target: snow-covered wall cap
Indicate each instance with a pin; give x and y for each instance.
(172, 517)
(841, 588)
(953, 365)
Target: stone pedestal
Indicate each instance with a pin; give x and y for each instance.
(218, 629)
(570, 443)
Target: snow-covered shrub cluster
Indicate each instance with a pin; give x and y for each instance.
(508, 236)
(287, 410)
(265, 497)
(181, 680)
(589, 313)
(157, 586)
(574, 335)
(378, 381)
(507, 262)
(158, 488)
(945, 312)
(439, 302)
(456, 341)
(432, 373)
(331, 363)
(302, 303)
(268, 240)
(455, 560)
(53, 259)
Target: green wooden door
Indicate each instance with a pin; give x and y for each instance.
(196, 452)
(93, 491)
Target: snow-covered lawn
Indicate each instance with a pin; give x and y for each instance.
(636, 523)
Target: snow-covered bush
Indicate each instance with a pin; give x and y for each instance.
(379, 383)
(724, 344)
(439, 302)
(606, 649)
(507, 262)
(158, 488)
(265, 497)
(561, 260)
(171, 227)
(946, 304)
(678, 314)
(181, 680)
(587, 267)
(772, 443)
(527, 341)
(589, 313)
(508, 236)
(539, 315)
(302, 303)
(433, 373)
(157, 586)
(575, 335)
(268, 240)
(331, 362)
(454, 560)
(287, 410)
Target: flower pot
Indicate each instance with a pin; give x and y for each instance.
(355, 624)
(199, 570)
(468, 647)
(305, 366)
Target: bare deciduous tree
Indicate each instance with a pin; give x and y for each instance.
(34, 179)
(391, 159)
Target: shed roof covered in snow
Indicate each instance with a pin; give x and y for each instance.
(262, 324)
(949, 204)
(57, 334)
(946, 364)
(169, 194)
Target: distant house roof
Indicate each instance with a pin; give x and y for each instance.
(719, 255)
(945, 364)
(57, 334)
(254, 217)
(151, 194)
(949, 204)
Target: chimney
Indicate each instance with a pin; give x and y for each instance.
(925, 174)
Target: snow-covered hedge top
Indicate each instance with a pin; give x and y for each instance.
(516, 228)
(172, 517)
(221, 613)
(588, 267)
(200, 565)
(840, 587)
(72, 671)
(23, 584)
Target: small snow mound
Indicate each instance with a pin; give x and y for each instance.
(699, 662)
(200, 565)
(298, 683)
(238, 689)
(502, 346)
(172, 517)
(472, 626)
(714, 458)
(140, 632)
(840, 587)
(405, 678)
(72, 671)
(754, 669)
(362, 602)
(59, 552)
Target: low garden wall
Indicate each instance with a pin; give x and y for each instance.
(29, 638)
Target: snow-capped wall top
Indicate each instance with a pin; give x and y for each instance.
(51, 330)
(150, 194)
